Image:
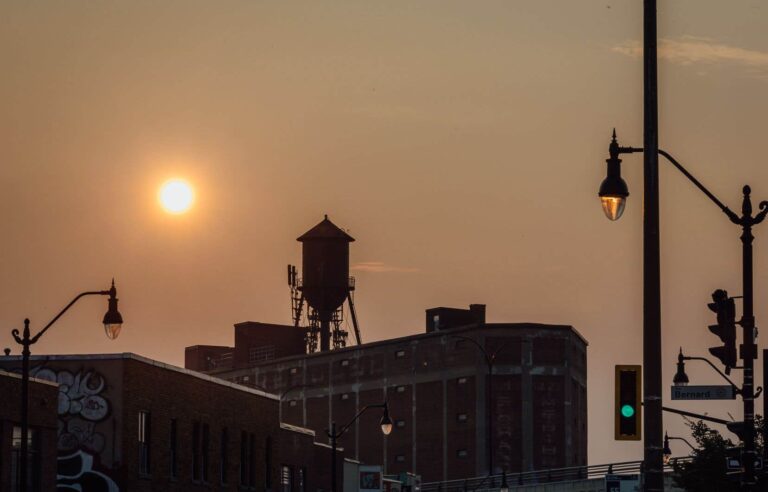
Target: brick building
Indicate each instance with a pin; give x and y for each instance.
(436, 384)
(130, 423)
(43, 398)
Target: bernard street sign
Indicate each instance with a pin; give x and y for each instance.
(703, 393)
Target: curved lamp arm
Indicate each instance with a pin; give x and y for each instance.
(489, 358)
(344, 429)
(731, 215)
(66, 308)
(682, 439)
(736, 389)
(35, 338)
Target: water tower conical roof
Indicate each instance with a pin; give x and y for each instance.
(325, 230)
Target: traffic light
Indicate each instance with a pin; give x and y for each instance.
(725, 328)
(628, 412)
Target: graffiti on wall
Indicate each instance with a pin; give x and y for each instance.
(81, 407)
(75, 472)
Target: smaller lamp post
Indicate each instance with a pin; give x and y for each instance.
(668, 452)
(386, 429)
(113, 322)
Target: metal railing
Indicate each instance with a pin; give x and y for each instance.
(553, 475)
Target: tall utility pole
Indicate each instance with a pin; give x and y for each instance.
(653, 469)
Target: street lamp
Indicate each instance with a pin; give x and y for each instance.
(613, 190)
(652, 333)
(668, 452)
(490, 360)
(113, 321)
(386, 429)
(681, 378)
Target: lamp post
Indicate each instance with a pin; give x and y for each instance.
(334, 435)
(653, 467)
(668, 452)
(610, 192)
(490, 361)
(113, 321)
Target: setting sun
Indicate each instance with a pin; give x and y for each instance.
(176, 196)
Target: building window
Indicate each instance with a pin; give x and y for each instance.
(400, 389)
(302, 479)
(294, 370)
(34, 462)
(261, 354)
(400, 423)
(292, 403)
(224, 458)
(462, 453)
(345, 363)
(345, 396)
(462, 380)
(461, 417)
(252, 460)
(144, 442)
(244, 460)
(286, 478)
(436, 322)
(196, 451)
(205, 452)
(400, 354)
(268, 463)
(172, 456)
(400, 458)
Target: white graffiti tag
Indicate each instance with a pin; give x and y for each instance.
(78, 394)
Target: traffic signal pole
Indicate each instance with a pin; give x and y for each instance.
(749, 349)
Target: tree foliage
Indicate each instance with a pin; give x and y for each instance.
(707, 472)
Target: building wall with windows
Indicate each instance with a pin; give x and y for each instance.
(43, 400)
(131, 423)
(437, 387)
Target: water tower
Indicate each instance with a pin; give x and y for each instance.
(325, 286)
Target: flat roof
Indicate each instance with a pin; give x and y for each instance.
(417, 336)
(146, 360)
(31, 379)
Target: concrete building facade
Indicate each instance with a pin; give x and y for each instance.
(436, 385)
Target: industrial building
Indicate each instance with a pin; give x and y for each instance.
(436, 385)
(454, 415)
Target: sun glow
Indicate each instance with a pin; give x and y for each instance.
(176, 196)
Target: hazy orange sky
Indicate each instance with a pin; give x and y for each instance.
(461, 143)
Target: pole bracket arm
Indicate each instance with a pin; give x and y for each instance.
(66, 308)
(736, 389)
(728, 212)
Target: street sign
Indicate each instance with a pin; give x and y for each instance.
(622, 483)
(724, 392)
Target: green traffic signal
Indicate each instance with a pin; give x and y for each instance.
(627, 410)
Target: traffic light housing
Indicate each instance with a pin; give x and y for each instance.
(628, 409)
(725, 328)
